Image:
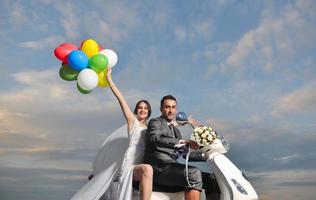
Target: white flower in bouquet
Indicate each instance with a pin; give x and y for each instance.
(209, 137)
(199, 130)
(204, 135)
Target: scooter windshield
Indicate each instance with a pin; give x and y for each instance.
(224, 142)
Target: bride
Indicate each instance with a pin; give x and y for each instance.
(136, 129)
(118, 165)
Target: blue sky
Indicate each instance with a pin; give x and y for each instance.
(245, 67)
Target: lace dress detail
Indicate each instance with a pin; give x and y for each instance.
(134, 154)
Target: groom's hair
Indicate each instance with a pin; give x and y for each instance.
(170, 97)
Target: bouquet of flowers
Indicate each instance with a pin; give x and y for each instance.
(204, 135)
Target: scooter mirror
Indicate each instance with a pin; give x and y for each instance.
(182, 117)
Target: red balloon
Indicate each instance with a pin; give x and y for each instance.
(101, 48)
(64, 50)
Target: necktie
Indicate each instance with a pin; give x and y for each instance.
(172, 130)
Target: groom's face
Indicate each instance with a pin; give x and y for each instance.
(169, 109)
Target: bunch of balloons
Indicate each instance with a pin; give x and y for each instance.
(87, 64)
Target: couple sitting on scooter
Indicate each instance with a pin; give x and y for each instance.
(150, 159)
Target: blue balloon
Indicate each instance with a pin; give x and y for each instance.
(78, 60)
(181, 116)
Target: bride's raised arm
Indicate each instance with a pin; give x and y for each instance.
(128, 114)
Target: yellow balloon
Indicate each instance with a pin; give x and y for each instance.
(102, 79)
(90, 47)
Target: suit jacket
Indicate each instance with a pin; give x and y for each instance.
(160, 143)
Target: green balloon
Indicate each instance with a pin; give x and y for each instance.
(98, 63)
(83, 91)
(67, 73)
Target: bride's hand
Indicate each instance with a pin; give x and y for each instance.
(193, 121)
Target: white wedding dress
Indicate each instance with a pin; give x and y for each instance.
(114, 164)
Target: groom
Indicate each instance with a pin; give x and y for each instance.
(161, 138)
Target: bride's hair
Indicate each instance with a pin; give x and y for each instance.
(148, 106)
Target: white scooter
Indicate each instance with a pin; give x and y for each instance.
(232, 183)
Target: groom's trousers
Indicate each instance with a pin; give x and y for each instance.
(173, 175)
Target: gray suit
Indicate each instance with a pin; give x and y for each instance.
(159, 153)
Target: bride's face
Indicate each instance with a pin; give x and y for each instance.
(142, 111)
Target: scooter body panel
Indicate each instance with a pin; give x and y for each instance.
(232, 183)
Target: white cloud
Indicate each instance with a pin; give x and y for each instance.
(242, 50)
(160, 18)
(45, 115)
(224, 3)
(44, 92)
(45, 43)
(69, 18)
(211, 70)
(15, 122)
(224, 126)
(277, 38)
(125, 14)
(202, 30)
(286, 159)
(18, 14)
(214, 54)
(300, 101)
(271, 185)
(217, 51)
(43, 99)
(49, 92)
(19, 17)
(111, 22)
(180, 33)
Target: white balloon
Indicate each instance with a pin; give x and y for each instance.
(87, 79)
(111, 55)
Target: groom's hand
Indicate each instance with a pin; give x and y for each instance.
(194, 145)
